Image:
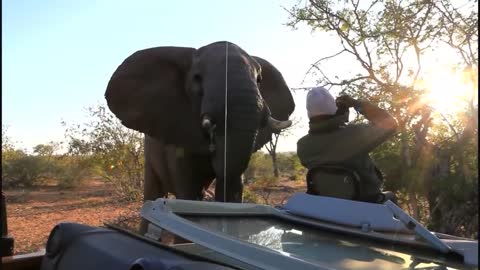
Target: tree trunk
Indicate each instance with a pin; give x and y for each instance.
(407, 167)
(272, 150)
(406, 159)
(275, 164)
(413, 201)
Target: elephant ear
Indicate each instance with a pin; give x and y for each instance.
(147, 93)
(276, 94)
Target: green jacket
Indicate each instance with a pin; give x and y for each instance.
(332, 142)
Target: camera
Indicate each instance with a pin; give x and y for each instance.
(342, 110)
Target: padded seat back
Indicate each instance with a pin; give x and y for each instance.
(333, 181)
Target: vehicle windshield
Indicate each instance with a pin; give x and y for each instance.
(328, 249)
(323, 248)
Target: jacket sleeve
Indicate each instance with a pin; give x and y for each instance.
(351, 141)
(380, 127)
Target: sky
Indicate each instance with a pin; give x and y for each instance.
(57, 56)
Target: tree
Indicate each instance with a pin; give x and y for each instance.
(6, 141)
(271, 146)
(47, 150)
(381, 36)
(115, 152)
(8, 148)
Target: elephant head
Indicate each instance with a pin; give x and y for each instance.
(181, 96)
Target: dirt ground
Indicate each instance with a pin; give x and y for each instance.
(32, 214)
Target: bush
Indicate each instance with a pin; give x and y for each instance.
(23, 171)
(250, 196)
(299, 172)
(116, 152)
(70, 171)
(260, 165)
(262, 187)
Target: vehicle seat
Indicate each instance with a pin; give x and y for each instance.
(340, 182)
(333, 181)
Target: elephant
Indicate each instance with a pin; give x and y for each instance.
(179, 97)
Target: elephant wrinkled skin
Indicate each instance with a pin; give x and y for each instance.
(168, 92)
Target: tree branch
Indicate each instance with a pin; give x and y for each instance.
(315, 65)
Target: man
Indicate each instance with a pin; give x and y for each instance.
(332, 142)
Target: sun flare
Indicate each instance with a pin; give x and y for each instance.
(448, 90)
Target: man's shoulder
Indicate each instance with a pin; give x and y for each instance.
(303, 139)
(313, 142)
(301, 143)
(333, 134)
(308, 139)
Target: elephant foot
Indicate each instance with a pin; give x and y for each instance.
(278, 125)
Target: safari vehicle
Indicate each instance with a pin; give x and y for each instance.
(308, 232)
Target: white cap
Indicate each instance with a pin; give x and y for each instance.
(320, 102)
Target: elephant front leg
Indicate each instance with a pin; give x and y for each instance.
(191, 172)
(232, 192)
(152, 186)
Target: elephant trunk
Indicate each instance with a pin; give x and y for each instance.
(234, 148)
(229, 164)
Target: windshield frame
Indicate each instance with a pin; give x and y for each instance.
(169, 214)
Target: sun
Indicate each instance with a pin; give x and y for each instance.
(448, 90)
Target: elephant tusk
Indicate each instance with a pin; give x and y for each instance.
(210, 128)
(278, 125)
(206, 123)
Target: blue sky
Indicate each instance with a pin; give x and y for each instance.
(57, 56)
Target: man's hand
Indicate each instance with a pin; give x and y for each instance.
(345, 101)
